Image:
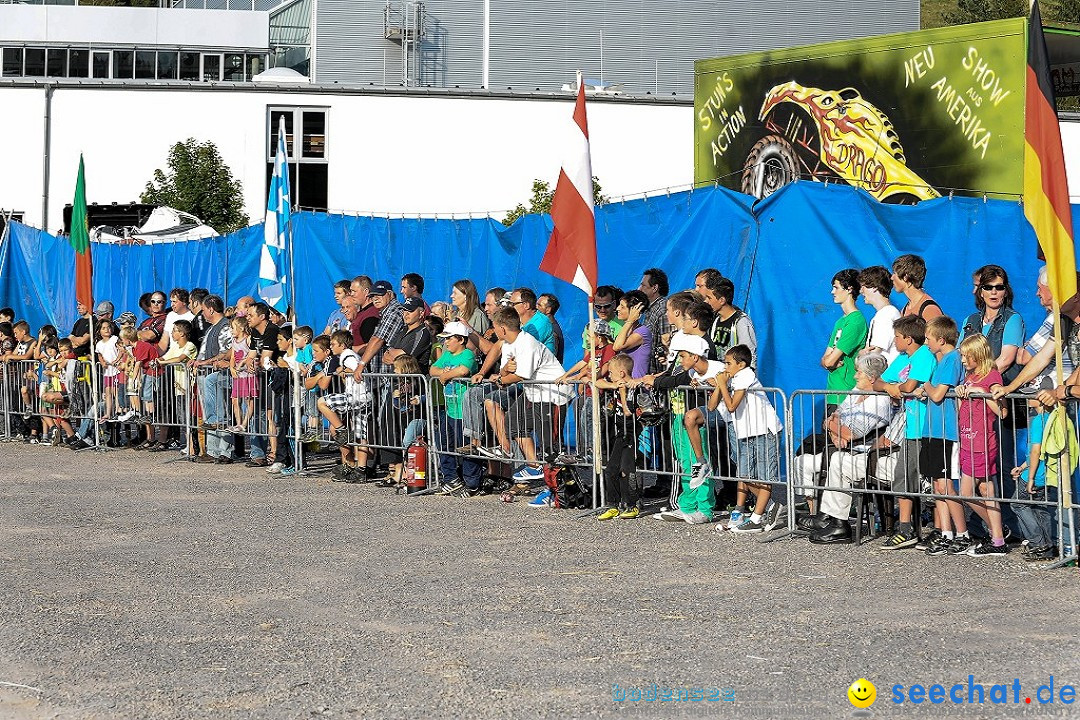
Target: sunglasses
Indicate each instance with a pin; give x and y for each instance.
(989, 287)
(603, 306)
(157, 302)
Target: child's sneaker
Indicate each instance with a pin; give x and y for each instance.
(608, 514)
(674, 516)
(736, 519)
(938, 545)
(275, 468)
(630, 514)
(338, 473)
(699, 472)
(748, 526)
(289, 472)
(959, 545)
(528, 474)
(698, 518)
(899, 541)
(543, 500)
(930, 538)
(988, 549)
(775, 517)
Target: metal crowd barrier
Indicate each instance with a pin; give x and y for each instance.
(787, 445)
(882, 462)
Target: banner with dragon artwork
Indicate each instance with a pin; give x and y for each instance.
(905, 117)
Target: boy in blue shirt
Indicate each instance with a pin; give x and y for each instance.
(912, 367)
(938, 456)
(1036, 521)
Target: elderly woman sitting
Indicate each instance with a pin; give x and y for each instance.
(854, 431)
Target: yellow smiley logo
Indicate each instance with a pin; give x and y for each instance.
(862, 693)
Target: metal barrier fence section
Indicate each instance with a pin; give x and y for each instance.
(1007, 464)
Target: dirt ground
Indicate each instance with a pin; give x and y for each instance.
(136, 588)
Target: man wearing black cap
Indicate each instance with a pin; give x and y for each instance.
(416, 340)
(391, 326)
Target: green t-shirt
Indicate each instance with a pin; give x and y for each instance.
(849, 336)
(455, 390)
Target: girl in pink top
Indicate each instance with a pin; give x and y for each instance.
(978, 438)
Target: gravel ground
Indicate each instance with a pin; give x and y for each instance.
(136, 589)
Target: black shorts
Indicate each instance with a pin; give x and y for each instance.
(936, 458)
(525, 417)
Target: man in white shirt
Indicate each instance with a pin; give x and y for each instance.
(178, 298)
(524, 358)
(876, 289)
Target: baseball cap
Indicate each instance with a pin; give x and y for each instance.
(692, 344)
(412, 303)
(104, 308)
(455, 328)
(602, 328)
(381, 288)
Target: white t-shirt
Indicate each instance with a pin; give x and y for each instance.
(715, 367)
(172, 317)
(536, 362)
(881, 332)
(108, 349)
(755, 414)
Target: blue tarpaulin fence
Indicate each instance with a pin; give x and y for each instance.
(781, 253)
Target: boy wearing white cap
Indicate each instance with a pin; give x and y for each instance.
(696, 496)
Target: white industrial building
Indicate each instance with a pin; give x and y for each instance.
(366, 150)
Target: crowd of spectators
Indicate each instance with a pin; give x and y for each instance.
(500, 390)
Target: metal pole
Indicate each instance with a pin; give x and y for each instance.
(45, 158)
(597, 467)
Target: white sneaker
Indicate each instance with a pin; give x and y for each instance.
(699, 472)
(275, 468)
(697, 518)
(674, 516)
(126, 416)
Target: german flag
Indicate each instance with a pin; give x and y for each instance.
(1046, 190)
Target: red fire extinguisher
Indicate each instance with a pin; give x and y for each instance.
(416, 460)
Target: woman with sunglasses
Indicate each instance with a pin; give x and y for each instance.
(1004, 329)
(996, 320)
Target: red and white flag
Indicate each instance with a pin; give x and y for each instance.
(571, 251)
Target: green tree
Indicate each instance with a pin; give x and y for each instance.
(199, 182)
(971, 11)
(540, 202)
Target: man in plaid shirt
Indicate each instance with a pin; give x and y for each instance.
(654, 283)
(390, 328)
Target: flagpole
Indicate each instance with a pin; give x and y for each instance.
(598, 485)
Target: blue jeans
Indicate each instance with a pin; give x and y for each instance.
(1036, 522)
(451, 436)
(214, 389)
(759, 460)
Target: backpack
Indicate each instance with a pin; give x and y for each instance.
(566, 492)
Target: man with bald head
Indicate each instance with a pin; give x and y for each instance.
(243, 307)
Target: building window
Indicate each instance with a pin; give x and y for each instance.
(101, 64)
(211, 65)
(145, 62)
(57, 63)
(189, 66)
(123, 62)
(255, 65)
(234, 68)
(35, 62)
(166, 65)
(13, 62)
(308, 167)
(78, 63)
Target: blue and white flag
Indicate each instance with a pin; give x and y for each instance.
(276, 228)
